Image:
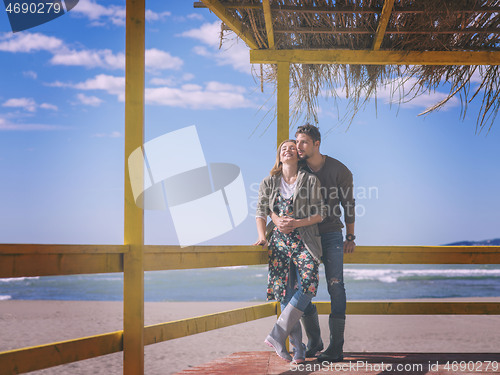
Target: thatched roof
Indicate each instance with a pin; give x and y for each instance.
(376, 25)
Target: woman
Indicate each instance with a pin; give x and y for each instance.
(292, 198)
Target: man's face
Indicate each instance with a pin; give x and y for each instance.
(305, 146)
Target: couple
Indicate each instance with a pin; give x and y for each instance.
(303, 195)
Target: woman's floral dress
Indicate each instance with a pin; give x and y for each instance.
(286, 248)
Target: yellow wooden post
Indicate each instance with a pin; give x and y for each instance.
(283, 105)
(133, 267)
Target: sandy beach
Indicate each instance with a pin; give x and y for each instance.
(29, 323)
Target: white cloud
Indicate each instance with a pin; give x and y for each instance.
(214, 95)
(172, 80)
(30, 74)
(195, 16)
(202, 51)
(218, 86)
(402, 86)
(26, 103)
(155, 59)
(9, 126)
(153, 16)
(160, 60)
(97, 12)
(90, 59)
(93, 101)
(101, 15)
(193, 96)
(111, 84)
(49, 106)
(423, 100)
(29, 42)
(208, 33)
(192, 87)
(187, 76)
(234, 53)
(114, 134)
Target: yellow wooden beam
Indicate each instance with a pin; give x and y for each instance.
(283, 105)
(18, 260)
(133, 284)
(424, 255)
(44, 356)
(185, 327)
(269, 23)
(232, 22)
(415, 308)
(61, 249)
(173, 257)
(382, 23)
(23, 265)
(46, 260)
(369, 57)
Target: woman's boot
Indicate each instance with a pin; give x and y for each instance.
(299, 351)
(289, 317)
(310, 322)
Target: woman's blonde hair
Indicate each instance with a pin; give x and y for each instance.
(278, 166)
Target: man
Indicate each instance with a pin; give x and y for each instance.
(337, 189)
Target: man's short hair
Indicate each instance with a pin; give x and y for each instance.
(310, 130)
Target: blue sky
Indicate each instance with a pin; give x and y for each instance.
(419, 180)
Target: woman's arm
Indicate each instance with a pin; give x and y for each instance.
(288, 224)
(262, 212)
(261, 231)
(314, 219)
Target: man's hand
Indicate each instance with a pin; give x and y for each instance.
(349, 246)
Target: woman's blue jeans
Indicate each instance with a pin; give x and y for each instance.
(297, 298)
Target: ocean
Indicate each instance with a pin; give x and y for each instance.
(248, 283)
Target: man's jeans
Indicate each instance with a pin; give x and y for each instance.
(333, 260)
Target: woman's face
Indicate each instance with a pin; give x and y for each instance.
(288, 152)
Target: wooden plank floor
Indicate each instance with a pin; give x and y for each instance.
(263, 363)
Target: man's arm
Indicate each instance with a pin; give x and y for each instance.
(349, 246)
(348, 204)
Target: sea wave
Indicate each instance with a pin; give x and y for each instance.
(392, 276)
(5, 298)
(17, 279)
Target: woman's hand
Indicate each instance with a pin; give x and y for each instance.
(261, 242)
(285, 224)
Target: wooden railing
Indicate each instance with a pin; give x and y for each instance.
(19, 260)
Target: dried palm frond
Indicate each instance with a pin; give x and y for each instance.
(414, 25)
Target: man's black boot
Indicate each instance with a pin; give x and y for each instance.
(334, 352)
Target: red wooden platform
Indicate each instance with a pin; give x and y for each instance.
(263, 363)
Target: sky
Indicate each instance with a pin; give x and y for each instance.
(419, 180)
